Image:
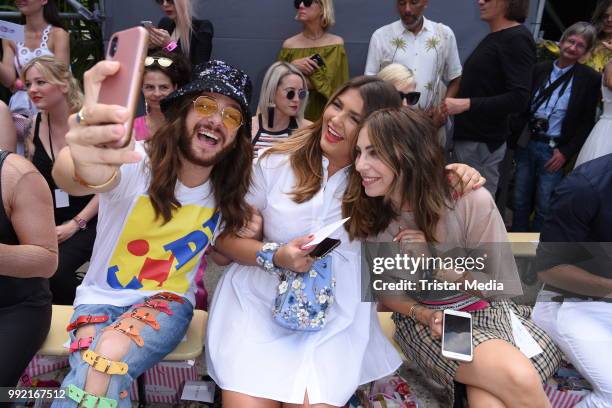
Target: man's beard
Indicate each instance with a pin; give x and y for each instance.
(185, 146)
(415, 23)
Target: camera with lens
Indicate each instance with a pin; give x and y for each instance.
(113, 47)
(538, 126)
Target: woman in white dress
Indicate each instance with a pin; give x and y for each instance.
(599, 142)
(252, 358)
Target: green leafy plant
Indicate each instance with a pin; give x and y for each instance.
(86, 44)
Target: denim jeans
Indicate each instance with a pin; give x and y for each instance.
(530, 177)
(157, 344)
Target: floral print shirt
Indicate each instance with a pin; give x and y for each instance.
(431, 54)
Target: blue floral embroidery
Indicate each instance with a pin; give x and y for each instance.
(304, 299)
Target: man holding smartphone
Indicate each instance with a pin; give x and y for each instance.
(160, 206)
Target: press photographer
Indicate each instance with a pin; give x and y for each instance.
(565, 94)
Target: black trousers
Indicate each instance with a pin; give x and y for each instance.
(23, 330)
(73, 253)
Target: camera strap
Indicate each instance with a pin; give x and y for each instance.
(545, 92)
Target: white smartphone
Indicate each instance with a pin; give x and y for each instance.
(457, 336)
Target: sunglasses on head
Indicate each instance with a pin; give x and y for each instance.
(307, 3)
(411, 98)
(207, 106)
(301, 94)
(161, 61)
(161, 2)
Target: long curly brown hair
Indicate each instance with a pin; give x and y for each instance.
(230, 177)
(304, 146)
(406, 141)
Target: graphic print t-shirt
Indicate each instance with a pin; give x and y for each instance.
(137, 255)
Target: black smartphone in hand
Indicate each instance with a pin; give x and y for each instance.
(324, 248)
(318, 59)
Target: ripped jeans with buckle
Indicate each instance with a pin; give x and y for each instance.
(165, 319)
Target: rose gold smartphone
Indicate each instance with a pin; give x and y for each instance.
(129, 48)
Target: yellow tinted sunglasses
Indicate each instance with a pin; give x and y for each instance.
(207, 106)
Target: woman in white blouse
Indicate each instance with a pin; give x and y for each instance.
(253, 359)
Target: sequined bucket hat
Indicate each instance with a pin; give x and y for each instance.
(217, 77)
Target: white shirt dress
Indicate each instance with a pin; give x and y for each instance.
(249, 353)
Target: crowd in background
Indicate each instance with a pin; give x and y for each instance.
(374, 148)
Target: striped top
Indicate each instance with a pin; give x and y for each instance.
(264, 139)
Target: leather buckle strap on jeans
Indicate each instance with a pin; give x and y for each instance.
(87, 400)
(144, 316)
(550, 141)
(158, 305)
(168, 296)
(86, 319)
(103, 364)
(129, 330)
(81, 344)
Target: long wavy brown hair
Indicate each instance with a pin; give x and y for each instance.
(405, 140)
(230, 177)
(304, 146)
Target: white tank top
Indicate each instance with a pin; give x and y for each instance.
(20, 102)
(25, 55)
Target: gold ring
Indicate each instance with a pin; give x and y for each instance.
(80, 118)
